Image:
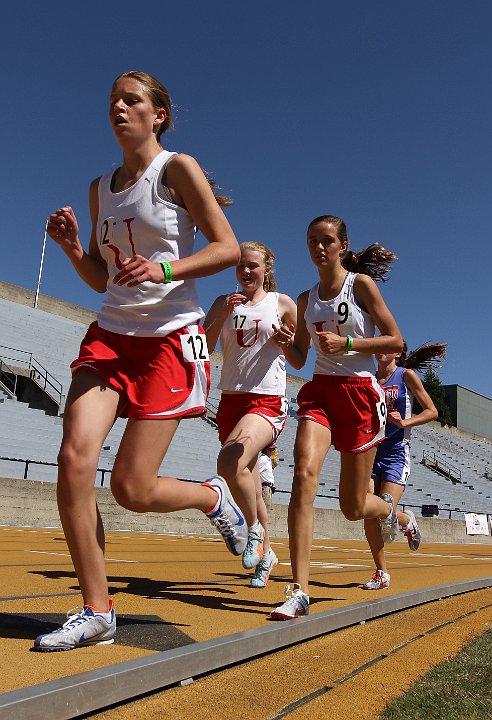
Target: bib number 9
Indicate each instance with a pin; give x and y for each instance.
(381, 406)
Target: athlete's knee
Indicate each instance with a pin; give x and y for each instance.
(231, 459)
(352, 510)
(74, 461)
(129, 491)
(304, 485)
(129, 497)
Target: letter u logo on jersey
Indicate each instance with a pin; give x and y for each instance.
(240, 336)
(107, 229)
(391, 394)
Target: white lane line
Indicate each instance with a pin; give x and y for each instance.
(45, 552)
(318, 565)
(395, 552)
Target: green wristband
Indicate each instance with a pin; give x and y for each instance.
(168, 273)
(350, 342)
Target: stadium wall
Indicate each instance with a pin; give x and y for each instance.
(470, 411)
(31, 503)
(16, 294)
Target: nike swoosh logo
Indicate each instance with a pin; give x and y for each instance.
(240, 519)
(177, 390)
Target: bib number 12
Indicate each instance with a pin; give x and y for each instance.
(194, 348)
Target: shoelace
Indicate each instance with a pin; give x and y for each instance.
(252, 537)
(223, 525)
(263, 566)
(389, 521)
(378, 579)
(291, 596)
(76, 616)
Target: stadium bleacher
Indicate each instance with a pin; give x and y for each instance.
(30, 434)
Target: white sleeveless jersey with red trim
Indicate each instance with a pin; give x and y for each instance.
(252, 361)
(344, 316)
(137, 220)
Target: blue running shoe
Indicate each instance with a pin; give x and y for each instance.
(253, 551)
(227, 517)
(389, 526)
(84, 626)
(263, 570)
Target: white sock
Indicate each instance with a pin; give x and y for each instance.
(298, 587)
(105, 615)
(256, 527)
(216, 506)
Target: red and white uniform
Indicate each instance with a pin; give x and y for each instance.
(344, 394)
(253, 376)
(138, 220)
(147, 343)
(252, 361)
(344, 316)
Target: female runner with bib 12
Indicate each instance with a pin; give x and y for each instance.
(145, 357)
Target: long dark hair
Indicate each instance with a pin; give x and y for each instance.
(374, 260)
(425, 357)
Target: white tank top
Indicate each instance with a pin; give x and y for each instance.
(137, 220)
(343, 316)
(252, 361)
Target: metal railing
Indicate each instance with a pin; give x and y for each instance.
(107, 471)
(37, 372)
(433, 461)
(27, 463)
(8, 378)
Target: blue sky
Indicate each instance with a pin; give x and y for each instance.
(378, 112)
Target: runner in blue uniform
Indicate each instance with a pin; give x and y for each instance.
(401, 384)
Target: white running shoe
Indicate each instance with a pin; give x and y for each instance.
(389, 526)
(84, 626)
(227, 517)
(263, 569)
(379, 581)
(297, 604)
(412, 532)
(253, 552)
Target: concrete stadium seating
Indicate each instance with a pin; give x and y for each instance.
(26, 433)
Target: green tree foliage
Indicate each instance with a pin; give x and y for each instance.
(435, 389)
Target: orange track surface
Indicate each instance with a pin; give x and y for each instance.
(171, 590)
